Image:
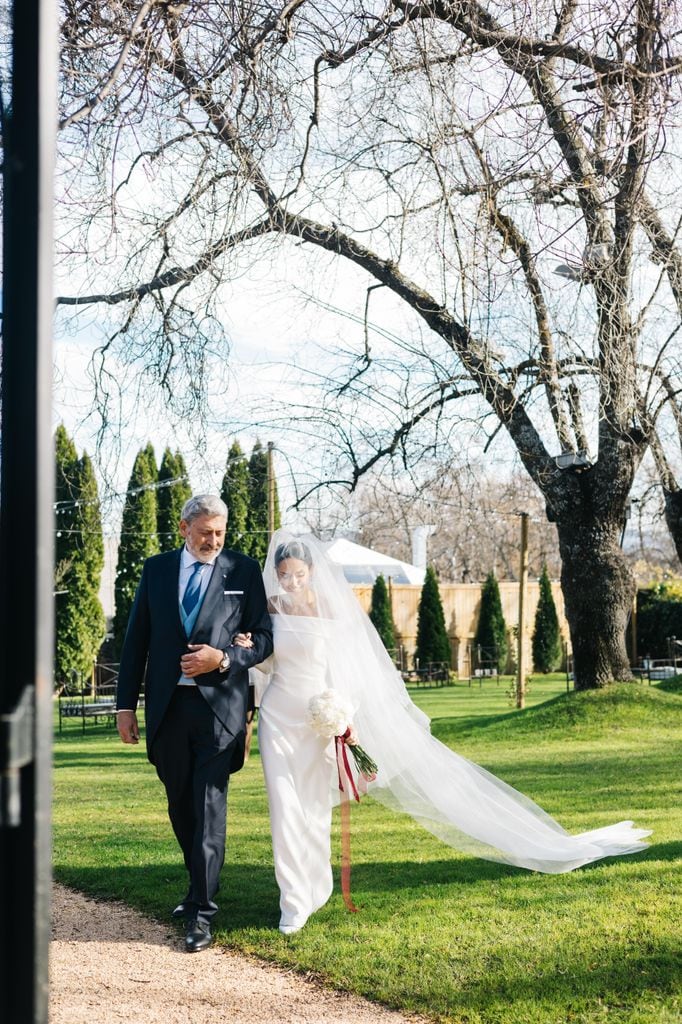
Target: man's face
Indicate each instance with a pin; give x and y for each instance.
(204, 536)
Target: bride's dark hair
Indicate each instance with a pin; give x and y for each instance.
(293, 549)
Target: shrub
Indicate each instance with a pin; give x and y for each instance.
(381, 614)
(433, 643)
(659, 616)
(491, 631)
(546, 634)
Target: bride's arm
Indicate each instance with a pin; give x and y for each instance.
(259, 681)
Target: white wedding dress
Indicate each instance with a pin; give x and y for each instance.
(299, 767)
(463, 804)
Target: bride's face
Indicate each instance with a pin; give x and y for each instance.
(293, 575)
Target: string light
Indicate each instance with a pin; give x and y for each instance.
(156, 485)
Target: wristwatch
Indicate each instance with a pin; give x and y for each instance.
(225, 663)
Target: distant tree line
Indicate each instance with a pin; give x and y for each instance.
(153, 506)
(149, 524)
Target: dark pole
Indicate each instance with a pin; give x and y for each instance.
(26, 496)
(521, 660)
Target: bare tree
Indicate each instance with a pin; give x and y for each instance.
(666, 437)
(505, 172)
(475, 521)
(672, 491)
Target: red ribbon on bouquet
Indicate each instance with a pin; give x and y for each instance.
(347, 788)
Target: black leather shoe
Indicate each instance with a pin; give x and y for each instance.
(198, 936)
(183, 909)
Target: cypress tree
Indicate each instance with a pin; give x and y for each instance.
(89, 518)
(380, 613)
(433, 643)
(92, 548)
(67, 624)
(491, 631)
(151, 457)
(546, 633)
(138, 538)
(79, 558)
(66, 495)
(257, 521)
(235, 493)
(170, 499)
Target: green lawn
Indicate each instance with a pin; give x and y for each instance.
(458, 939)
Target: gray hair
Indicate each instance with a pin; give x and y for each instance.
(203, 505)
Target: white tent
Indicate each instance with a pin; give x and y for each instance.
(363, 565)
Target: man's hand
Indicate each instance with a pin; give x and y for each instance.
(202, 659)
(128, 729)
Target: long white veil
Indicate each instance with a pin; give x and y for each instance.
(458, 801)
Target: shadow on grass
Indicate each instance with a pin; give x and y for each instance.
(663, 851)
(248, 899)
(249, 896)
(570, 974)
(96, 763)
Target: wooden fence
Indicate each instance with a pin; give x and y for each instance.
(461, 604)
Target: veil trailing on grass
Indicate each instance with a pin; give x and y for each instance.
(459, 802)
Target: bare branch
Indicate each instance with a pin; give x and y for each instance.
(87, 108)
(170, 278)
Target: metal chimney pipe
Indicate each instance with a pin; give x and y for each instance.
(420, 536)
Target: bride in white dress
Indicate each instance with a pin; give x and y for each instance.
(298, 764)
(323, 639)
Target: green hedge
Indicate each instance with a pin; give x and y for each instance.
(659, 615)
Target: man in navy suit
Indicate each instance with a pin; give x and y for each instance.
(189, 605)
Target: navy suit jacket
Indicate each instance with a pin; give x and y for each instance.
(155, 640)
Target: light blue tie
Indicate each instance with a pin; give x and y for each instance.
(191, 597)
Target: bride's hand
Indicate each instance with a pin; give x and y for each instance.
(350, 736)
(242, 640)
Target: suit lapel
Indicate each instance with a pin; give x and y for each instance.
(214, 592)
(170, 589)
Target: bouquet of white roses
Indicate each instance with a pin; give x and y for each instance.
(330, 716)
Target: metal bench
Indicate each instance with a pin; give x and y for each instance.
(83, 706)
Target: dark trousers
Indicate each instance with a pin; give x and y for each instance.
(192, 753)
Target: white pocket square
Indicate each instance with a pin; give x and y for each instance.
(233, 591)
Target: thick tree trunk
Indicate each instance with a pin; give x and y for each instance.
(598, 592)
(673, 517)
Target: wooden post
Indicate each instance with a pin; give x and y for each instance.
(523, 587)
(633, 632)
(271, 491)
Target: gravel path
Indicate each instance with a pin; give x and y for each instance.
(108, 963)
